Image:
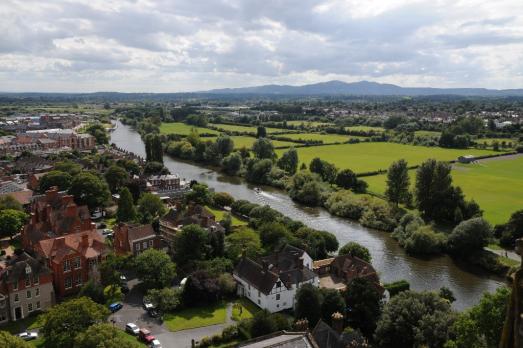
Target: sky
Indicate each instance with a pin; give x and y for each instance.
(195, 45)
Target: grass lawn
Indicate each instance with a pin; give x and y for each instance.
(250, 129)
(248, 309)
(183, 129)
(241, 141)
(366, 129)
(40, 342)
(423, 133)
(30, 323)
(191, 318)
(326, 138)
(365, 156)
(218, 213)
(496, 185)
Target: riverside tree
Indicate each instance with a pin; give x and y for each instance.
(398, 183)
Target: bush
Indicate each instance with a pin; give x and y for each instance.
(345, 204)
(469, 236)
(425, 241)
(397, 287)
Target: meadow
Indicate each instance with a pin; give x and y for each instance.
(489, 141)
(246, 141)
(326, 138)
(424, 133)
(235, 128)
(365, 157)
(495, 184)
(308, 124)
(366, 129)
(183, 129)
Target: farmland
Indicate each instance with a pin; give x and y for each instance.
(366, 129)
(496, 184)
(308, 124)
(423, 133)
(490, 141)
(326, 138)
(365, 157)
(246, 141)
(235, 128)
(183, 129)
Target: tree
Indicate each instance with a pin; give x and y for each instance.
(415, 319)
(261, 132)
(469, 236)
(126, 209)
(165, 299)
(199, 194)
(447, 294)
(116, 178)
(273, 235)
(512, 230)
(306, 188)
(308, 304)
(289, 161)
(103, 335)
(201, 288)
(9, 202)
(258, 171)
(63, 321)
(346, 179)
(355, 249)
(56, 178)
(223, 199)
(364, 303)
(232, 163)
(263, 148)
(99, 132)
(110, 269)
(150, 207)
(327, 171)
(90, 190)
(10, 341)
(224, 145)
(155, 168)
(242, 239)
(153, 148)
(11, 222)
(155, 268)
(68, 167)
(333, 302)
(94, 291)
(398, 183)
(262, 324)
(190, 244)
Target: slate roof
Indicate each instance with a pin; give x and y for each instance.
(140, 231)
(282, 339)
(253, 273)
(16, 267)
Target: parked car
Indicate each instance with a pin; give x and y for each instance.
(132, 328)
(145, 335)
(107, 231)
(113, 307)
(147, 304)
(155, 344)
(28, 336)
(153, 313)
(123, 278)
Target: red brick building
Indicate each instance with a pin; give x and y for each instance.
(134, 238)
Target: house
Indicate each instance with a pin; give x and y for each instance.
(73, 258)
(272, 282)
(55, 214)
(337, 272)
(466, 159)
(26, 286)
(176, 218)
(282, 339)
(134, 238)
(168, 185)
(33, 180)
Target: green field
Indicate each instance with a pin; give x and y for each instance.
(365, 157)
(496, 185)
(489, 141)
(241, 141)
(423, 133)
(326, 138)
(194, 317)
(366, 129)
(183, 129)
(308, 124)
(218, 216)
(235, 128)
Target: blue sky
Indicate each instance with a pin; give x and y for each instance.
(178, 45)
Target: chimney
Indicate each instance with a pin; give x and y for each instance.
(59, 242)
(85, 240)
(337, 322)
(67, 199)
(51, 193)
(71, 210)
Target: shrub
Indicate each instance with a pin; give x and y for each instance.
(424, 241)
(397, 287)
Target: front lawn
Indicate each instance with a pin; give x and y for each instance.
(191, 318)
(40, 342)
(248, 309)
(218, 214)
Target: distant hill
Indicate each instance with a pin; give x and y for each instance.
(364, 88)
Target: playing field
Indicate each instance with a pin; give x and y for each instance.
(246, 141)
(326, 138)
(365, 157)
(183, 129)
(495, 184)
(235, 128)
(366, 129)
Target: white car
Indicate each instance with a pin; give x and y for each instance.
(123, 278)
(156, 344)
(28, 336)
(132, 328)
(147, 304)
(107, 231)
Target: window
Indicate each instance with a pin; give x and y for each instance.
(277, 297)
(30, 307)
(259, 302)
(37, 304)
(78, 280)
(15, 285)
(68, 283)
(144, 245)
(77, 263)
(16, 298)
(92, 263)
(67, 265)
(28, 294)
(37, 292)
(278, 284)
(36, 279)
(27, 280)
(3, 316)
(151, 243)
(137, 246)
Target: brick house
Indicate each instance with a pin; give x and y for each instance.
(73, 258)
(26, 286)
(134, 239)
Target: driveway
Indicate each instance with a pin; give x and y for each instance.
(133, 312)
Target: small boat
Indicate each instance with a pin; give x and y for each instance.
(257, 189)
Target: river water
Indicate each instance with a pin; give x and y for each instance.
(388, 258)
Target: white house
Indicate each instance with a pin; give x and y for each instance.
(272, 282)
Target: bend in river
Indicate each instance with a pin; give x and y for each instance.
(388, 258)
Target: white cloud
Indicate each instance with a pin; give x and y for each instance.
(184, 45)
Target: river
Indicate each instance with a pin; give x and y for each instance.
(388, 258)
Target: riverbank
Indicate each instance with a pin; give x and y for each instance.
(391, 261)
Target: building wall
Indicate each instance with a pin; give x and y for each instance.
(41, 297)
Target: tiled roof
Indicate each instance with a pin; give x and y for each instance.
(16, 268)
(254, 274)
(72, 243)
(141, 231)
(22, 197)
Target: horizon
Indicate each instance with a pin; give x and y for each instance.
(161, 46)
